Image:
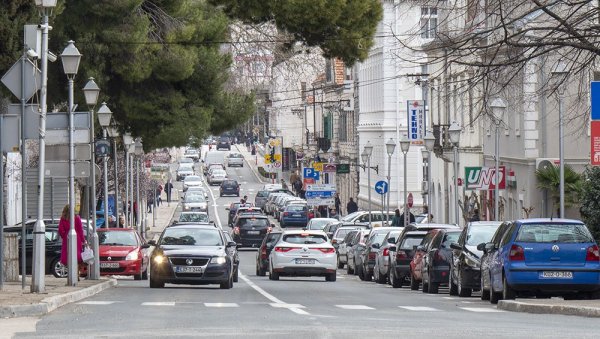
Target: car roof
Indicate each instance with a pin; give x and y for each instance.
(415, 233)
(548, 220)
(102, 229)
(194, 225)
(286, 232)
(252, 216)
(485, 223)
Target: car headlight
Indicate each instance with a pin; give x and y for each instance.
(186, 207)
(132, 255)
(471, 261)
(159, 259)
(218, 260)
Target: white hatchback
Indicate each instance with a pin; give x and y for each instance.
(303, 253)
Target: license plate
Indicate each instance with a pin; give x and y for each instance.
(109, 265)
(557, 274)
(305, 261)
(188, 269)
(296, 215)
(253, 232)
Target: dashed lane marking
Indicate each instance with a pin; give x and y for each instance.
(419, 308)
(354, 307)
(159, 303)
(221, 305)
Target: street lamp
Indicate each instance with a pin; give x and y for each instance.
(104, 116)
(113, 132)
(390, 147)
(91, 92)
(429, 141)
(404, 147)
(38, 264)
(127, 141)
(366, 158)
(560, 74)
(498, 107)
(454, 132)
(139, 150)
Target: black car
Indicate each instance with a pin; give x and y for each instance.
(250, 230)
(465, 274)
(229, 187)
(401, 256)
(233, 211)
(191, 254)
(224, 143)
(53, 248)
(437, 259)
(262, 257)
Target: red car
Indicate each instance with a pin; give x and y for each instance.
(123, 252)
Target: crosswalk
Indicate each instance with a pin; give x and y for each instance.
(305, 309)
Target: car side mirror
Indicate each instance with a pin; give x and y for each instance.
(151, 243)
(456, 246)
(375, 246)
(489, 246)
(481, 247)
(392, 248)
(232, 244)
(227, 208)
(145, 246)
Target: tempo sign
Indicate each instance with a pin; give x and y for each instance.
(483, 178)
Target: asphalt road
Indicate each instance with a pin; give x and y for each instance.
(292, 307)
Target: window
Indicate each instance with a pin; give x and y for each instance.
(554, 233)
(409, 242)
(343, 127)
(305, 239)
(428, 22)
(328, 70)
(348, 73)
(328, 126)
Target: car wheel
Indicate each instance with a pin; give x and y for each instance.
(381, 278)
(221, 195)
(227, 284)
(331, 277)
(508, 293)
(349, 269)
(425, 284)
(273, 276)
(155, 283)
(368, 276)
(59, 270)
(462, 291)
(394, 280)
(494, 296)
(414, 284)
(453, 287)
(434, 287)
(138, 276)
(340, 265)
(360, 273)
(485, 294)
(235, 275)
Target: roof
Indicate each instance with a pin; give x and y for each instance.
(102, 229)
(193, 225)
(304, 232)
(549, 220)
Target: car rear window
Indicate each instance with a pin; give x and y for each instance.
(297, 208)
(550, 233)
(342, 233)
(262, 194)
(236, 155)
(409, 242)
(305, 238)
(259, 222)
(378, 238)
(194, 198)
(193, 217)
(191, 237)
(117, 238)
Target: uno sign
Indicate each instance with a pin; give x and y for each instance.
(483, 178)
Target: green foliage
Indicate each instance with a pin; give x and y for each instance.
(341, 28)
(549, 178)
(590, 200)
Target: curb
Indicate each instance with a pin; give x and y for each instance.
(252, 168)
(517, 306)
(49, 304)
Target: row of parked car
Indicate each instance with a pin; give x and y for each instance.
(284, 206)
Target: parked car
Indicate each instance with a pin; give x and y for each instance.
(416, 264)
(191, 181)
(234, 159)
(437, 260)
(123, 252)
(294, 215)
(382, 258)
(224, 143)
(191, 254)
(229, 187)
(250, 230)
(194, 202)
(261, 199)
(465, 271)
(544, 257)
(303, 253)
(342, 247)
(362, 217)
(487, 256)
(372, 244)
(217, 176)
(319, 223)
(355, 248)
(262, 256)
(401, 255)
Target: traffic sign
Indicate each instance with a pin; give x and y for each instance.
(410, 200)
(13, 79)
(308, 172)
(381, 187)
(595, 99)
(318, 166)
(319, 194)
(321, 187)
(595, 143)
(277, 164)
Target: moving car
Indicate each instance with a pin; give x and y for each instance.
(184, 171)
(262, 256)
(194, 202)
(437, 259)
(303, 253)
(401, 255)
(123, 252)
(189, 217)
(250, 230)
(192, 153)
(294, 215)
(234, 159)
(229, 187)
(233, 207)
(543, 257)
(319, 223)
(197, 190)
(224, 143)
(191, 254)
(382, 257)
(217, 176)
(465, 274)
(191, 181)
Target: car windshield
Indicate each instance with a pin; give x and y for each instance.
(117, 238)
(551, 233)
(409, 242)
(218, 173)
(185, 160)
(378, 238)
(191, 237)
(262, 194)
(258, 222)
(351, 216)
(341, 233)
(194, 198)
(192, 178)
(193, 217)
(480, 234)
(319, 224)
(305, 238)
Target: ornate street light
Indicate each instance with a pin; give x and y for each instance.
(454, 132)
(498, 107)
(390, 147)
(429, 141)
(104, 116)
(560, 73)
(404, 147)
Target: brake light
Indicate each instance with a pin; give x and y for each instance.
(283, 249)
(333, 241)
(401, 255)
(236, 230)
(285, 214)
(327, 250)
(269, 229)
(386, 252)
(593, 253)
(516, 253)
(372, 255)
(263, 253)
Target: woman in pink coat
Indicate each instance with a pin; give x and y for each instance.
(63, 231)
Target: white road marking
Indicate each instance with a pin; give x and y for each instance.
(221, 305)
(354, 307)
(481, 309)
(159, 303)
(278, 305)
(271, 297)
(419, 308)
(97, 302)
(449, 298)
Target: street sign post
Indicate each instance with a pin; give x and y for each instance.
(381, 187)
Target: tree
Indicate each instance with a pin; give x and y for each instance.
(549, 178)
(590, 200)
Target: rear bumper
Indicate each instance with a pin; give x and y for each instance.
(249, 242)
(304, 271)
(294, 221)
(402, 271)
(439, 274)
(532, 280)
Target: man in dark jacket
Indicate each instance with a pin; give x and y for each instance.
(351, 207)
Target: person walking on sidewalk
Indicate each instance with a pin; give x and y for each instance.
(64, 226)
(168, 189)
(351, 207)
(338, 204)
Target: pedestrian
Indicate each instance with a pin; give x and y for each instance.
(149, 201)
(135, 212)
(333, 214)
(159, 190)
(338, 203)
(351, 206)
(297, 185)
(397, 219)
(475, 216)
(168, 189)
(411, 217)
(121, 221)
(64, 227)
(112, 222)
(293, 178)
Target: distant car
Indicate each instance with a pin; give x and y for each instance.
(186, 160)
(372, 244)
(195, 202)
(262, 256)
(465, 275)
(340, 234)
(303, 253)
(191, 181)
(192, 153)
(272, 187)
(294, 215)
(197, 190)
(437, 260)
(232, 209)
(234, 159)
(184, 171)
(199, 217)
(224, 143)
(362, 217)
(229, 187)
(401, 255)
(261, 199)
(382, 259)
(342, 248)
(123, 252)
(354, 251)
(191, 254)
(246, 211)
(250, 230)
(217, 177)
(543, 257)
(319, 223)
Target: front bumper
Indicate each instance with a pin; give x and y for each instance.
(126, 267)
(212, 274)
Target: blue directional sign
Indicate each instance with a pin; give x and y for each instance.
(318, 194)
(381, 187)
(595, 96)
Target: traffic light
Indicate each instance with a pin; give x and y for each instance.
(272, 154)
(102, 148)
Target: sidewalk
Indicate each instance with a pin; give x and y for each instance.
(164, 215)
(581, 308)
(254, 161)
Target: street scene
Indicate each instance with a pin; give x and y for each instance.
(225, 168)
